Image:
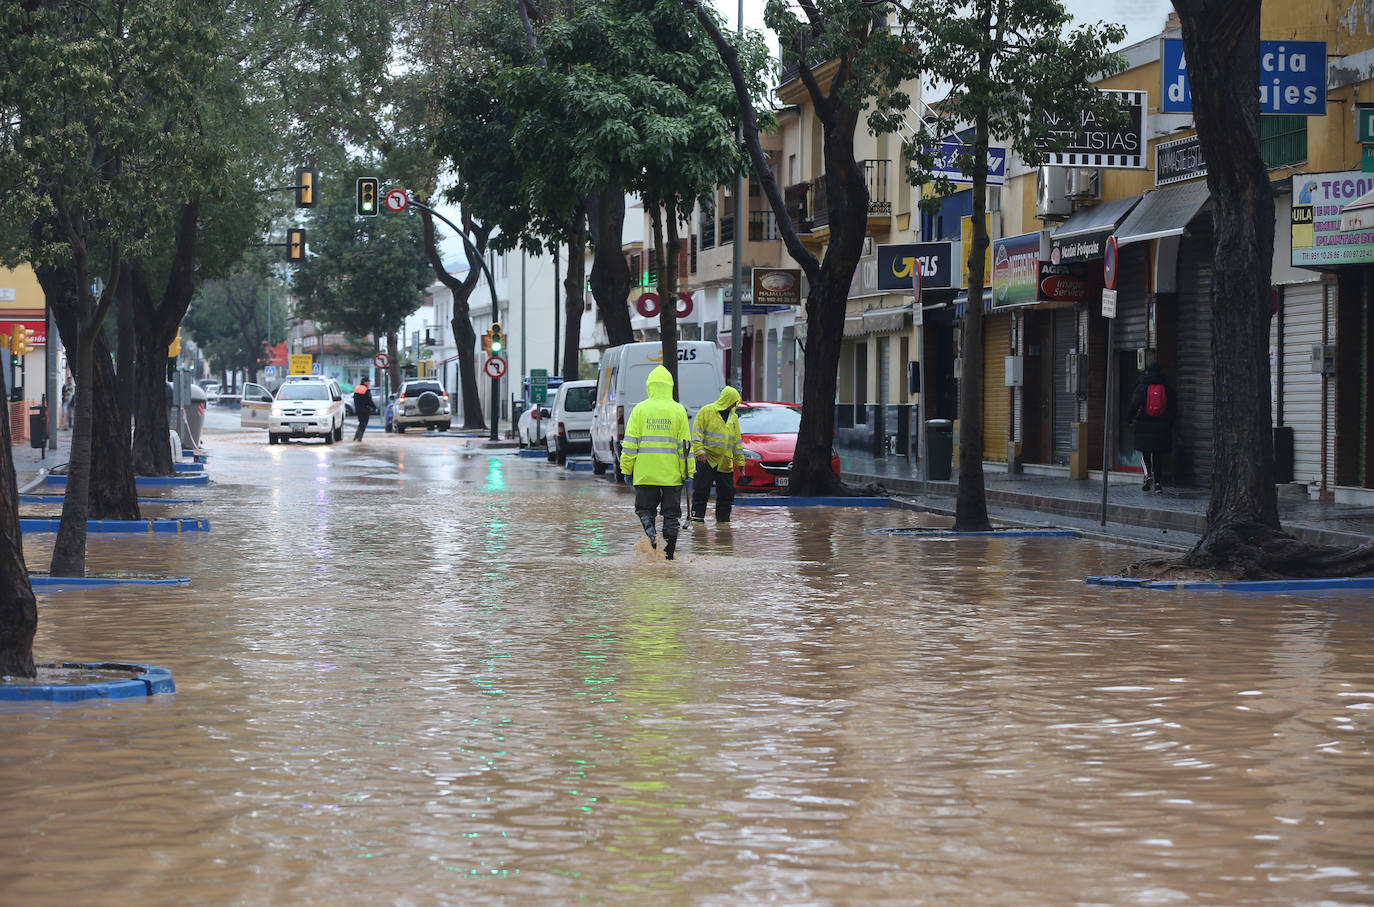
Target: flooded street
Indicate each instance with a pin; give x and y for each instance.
(410, 672)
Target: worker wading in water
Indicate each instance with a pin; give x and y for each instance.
(655, 456)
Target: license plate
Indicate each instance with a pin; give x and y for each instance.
(782, 481)
(297, 427)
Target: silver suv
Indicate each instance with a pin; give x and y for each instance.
(422, 402)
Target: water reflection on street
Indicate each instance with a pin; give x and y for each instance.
(410, 672)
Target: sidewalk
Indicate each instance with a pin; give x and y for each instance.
(1174, 519)
(30, 462)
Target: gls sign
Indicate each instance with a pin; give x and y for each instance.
(1292, 78)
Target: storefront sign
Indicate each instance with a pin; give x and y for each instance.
(1092, 144)
(38, 325)
(896, 263)
(966, 244)
(1292, 78)
(1315, 228)
(1077, 282)
(777, 286)
(1015, 269)
(947, 163)
(1084, 247)
(1179, 160)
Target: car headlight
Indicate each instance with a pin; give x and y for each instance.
(752, 454)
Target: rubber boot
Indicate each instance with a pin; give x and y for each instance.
(669, 546)
(648, 523)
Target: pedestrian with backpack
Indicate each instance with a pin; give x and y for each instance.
(1151, 415)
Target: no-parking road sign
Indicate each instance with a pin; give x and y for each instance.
(495, 367)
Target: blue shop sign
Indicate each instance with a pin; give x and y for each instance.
(947, 163)
(896, 262)
(1292, 78)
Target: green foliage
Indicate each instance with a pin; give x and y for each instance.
(229, 317)
(363, 275)
(1013, 64)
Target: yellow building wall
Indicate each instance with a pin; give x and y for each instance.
(20, 293)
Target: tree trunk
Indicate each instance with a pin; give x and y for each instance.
(69, 550)
(18, 608)
(113, 492)
(1221, 44)
(393, 351)
(574, 298)
(464, 337)
(156, 325)
(610, 277)
(970, 502)
(126, 351)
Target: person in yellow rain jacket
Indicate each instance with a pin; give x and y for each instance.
(655, 455)
(717, 451)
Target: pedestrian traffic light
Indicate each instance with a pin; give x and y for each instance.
(174, 348)
(306, 177)
(295, 245)
(368, 187)
(496, 345)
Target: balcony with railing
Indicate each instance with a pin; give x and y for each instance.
(763, 226)
(727, 229)
(708, 230)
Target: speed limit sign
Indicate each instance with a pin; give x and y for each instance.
(381, 360)
(495, 367)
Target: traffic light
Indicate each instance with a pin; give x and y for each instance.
(21, 340)
(306, 177)
(174, 348)
(368, 187)
(295, 245)
(496, 340)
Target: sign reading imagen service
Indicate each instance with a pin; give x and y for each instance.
(1292, 78)
(1092, 144)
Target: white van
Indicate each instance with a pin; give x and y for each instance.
(620, 384)
(570, 420)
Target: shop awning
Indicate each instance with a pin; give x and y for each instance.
(877, 321)
(961, 303)
(1095, 218)
(1163, 212)
(1359, 214)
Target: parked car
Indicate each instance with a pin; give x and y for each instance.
(768, 434)
(620, 385)
(530, 427)
(376, 403)
(211, 389)
(570, 420)
(306, 406)
(424, 402)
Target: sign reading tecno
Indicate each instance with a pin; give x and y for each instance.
(1315, 229)
(1292, 78)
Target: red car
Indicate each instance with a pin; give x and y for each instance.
(769, 435)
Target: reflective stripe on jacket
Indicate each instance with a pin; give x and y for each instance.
(657, 440)
(716, 438)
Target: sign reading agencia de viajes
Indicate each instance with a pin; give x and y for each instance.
(1292, 78)
(1092, 144)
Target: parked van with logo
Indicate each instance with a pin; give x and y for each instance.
(620, 384)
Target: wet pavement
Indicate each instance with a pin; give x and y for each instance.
(414, 671)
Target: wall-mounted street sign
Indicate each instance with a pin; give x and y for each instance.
(1364, 123)
(1092, 144)
(947, 163)
(1179, 160)
(896, 263)
(1292, 78)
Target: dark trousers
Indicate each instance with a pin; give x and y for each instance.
(702, 482)
(650, 499)
(362, 426)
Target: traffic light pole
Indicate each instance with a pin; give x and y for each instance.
(495, 406)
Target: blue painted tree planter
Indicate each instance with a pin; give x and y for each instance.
(920, 533)
(1332, 584)
(783, 500)
(45, 583)
(148, 481)
(143, 681)
(171, 524)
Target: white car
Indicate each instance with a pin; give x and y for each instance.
(422, 401)
(307, 406)
(530, 427)
(569, 428)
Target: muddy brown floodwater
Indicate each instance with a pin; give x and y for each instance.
(412, 673)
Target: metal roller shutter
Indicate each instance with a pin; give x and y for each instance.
(1065, 400)
(1130, 306)
(1302, 387)
(1193, 430)
(996, 409)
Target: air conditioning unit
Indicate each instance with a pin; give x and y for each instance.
(1052, 200)
(1083, 183)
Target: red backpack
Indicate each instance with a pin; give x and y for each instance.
(1156, 401)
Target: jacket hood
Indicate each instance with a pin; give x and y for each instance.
(728, 398)
(659, 384)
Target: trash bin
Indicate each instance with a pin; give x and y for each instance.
(194, 409)
(939, 448)
(38, 426)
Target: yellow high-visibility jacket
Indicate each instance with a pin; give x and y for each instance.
(657, 438)
(717, 438)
